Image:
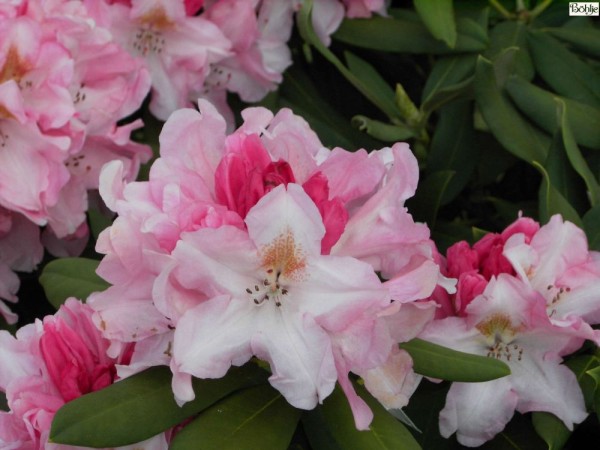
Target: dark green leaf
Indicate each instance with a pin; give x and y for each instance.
(447, 72)
(435, 361)
(574, 154)
(438, 16)
(428, 198)
(511, 34)
(137, 408)
(308, 34)
(551, 429)
(71, 277)
(453, 147)
(563, 70)
(579, 365)
(462, 90)
(3, 402)
(591, 224)
(377, 86)
(512, 131)
(383, 131)
(539, 106)
(553, 202)
(256, 418)
(585, 40)
(331, 426)
(407, 36)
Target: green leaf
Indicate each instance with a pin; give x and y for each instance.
(256, 418)
(563, 70)
(585, 40)
(406, 36)
(579, 365)
(510, 129)
(539, 106)
(446, 72)
(428, 198)
(330, 426)
(435, 361)
(591, 225)
(511, 34)
(377, 86)
(551, 429)
(3, 402)
(453, 147)
(462, 90)
(383, 131)
(438, 16)
(98, 221)
(552, 202)
(308, 34)
(574, 154)
(137, 408)
(71, 277)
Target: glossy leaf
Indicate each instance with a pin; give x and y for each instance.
(591, 225)
(255, 418)
(331, 426)
(407, 36)
(551, 201)
(579, 365)
(586, 40)
(512, 34)
(438, 17)
(446, 72)
(453, 147)
(137, 408)
(386, 132)
(539, 106)
(308, 34)
(377, 86)
(510, 129)
(71, 277)
(551, 429)
(435, 361)
(574, 154)
(564, 71)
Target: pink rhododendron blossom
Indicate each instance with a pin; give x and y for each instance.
(48, 364)
(508, 321)
(214, 197)
(558, 264)
(178, 49)
(64, 84)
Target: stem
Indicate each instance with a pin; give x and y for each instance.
(502, 10)
(540, 8)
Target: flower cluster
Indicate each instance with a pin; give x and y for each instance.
(64, 84)
(284, 237)
(526, 296)
(49, 363)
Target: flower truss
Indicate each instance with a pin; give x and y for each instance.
(527, 297)
(59, 106)
(49, 363)
(264, 243)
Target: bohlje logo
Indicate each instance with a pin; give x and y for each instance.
(584, 8)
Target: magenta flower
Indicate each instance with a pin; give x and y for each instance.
(48, 364)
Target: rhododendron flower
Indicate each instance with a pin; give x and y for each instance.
(557, 263)
(211, 196)
(269, 293)
(508, 322)
(178, 49)
(48, 364)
